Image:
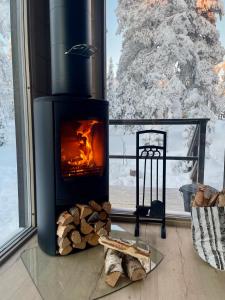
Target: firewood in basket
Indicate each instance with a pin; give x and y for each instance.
(85, 228)
(213, 200)
(199, 199)
(85, 210)
(81, 245)
(221, 200)
(98, 225)
(102, 231)
(95, 206)
(94, 217)
(65, 251)
(133, 268)
(106, 206)
(74, 211)
(63, 242)
(113, 267)
(62, 231)
(103, 216)
(92, 239)
(65, 218)
(124, 247)
(75, 237)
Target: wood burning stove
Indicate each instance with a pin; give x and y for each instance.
(71, 128)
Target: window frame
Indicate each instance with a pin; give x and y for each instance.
(23, 126)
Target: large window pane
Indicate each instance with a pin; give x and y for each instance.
(166, 60)
(13, 124)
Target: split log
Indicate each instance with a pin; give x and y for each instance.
(62, 231)
(92, 239)
(106, 206)
(213, 200)
(76, 215)
(113, 267)
(85, 210)
(146, 264)
(94, 217)
(75, 237)
(65, 251)
(65, 218)
(95, 206)
(85, 228)
(63, 242)
(98, 225)
(81, 245)
(133, 268)
(103, 232)
(221, 200)
(103, 215)
(124, 247)
(199, 199)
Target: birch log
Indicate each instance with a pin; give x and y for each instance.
(113, 267)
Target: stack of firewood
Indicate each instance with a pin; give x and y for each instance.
(82, 225)
(206, 198)
(124, 259)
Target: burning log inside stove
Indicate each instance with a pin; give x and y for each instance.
(82, 225)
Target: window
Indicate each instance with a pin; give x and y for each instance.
(166, 60)
(15, 125)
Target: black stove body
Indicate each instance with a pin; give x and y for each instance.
(71, 128)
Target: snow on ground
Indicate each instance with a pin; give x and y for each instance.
(9, 224)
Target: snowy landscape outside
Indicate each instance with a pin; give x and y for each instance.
(166, 60)
(8, 161)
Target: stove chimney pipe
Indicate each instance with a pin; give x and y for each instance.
(70, 23)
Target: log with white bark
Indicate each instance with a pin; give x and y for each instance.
(113, 267)
(133, 268)
(124, 247)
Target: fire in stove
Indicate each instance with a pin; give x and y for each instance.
(82, 148)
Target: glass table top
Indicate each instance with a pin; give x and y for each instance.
(80, 275)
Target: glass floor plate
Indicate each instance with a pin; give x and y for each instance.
(80, 275)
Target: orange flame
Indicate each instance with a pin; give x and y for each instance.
(82, 147)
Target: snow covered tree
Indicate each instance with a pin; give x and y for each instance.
(170, 49)
(111, 90)
(6, 85)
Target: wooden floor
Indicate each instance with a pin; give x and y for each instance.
(181, 275)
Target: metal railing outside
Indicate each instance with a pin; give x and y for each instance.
(196, 152)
